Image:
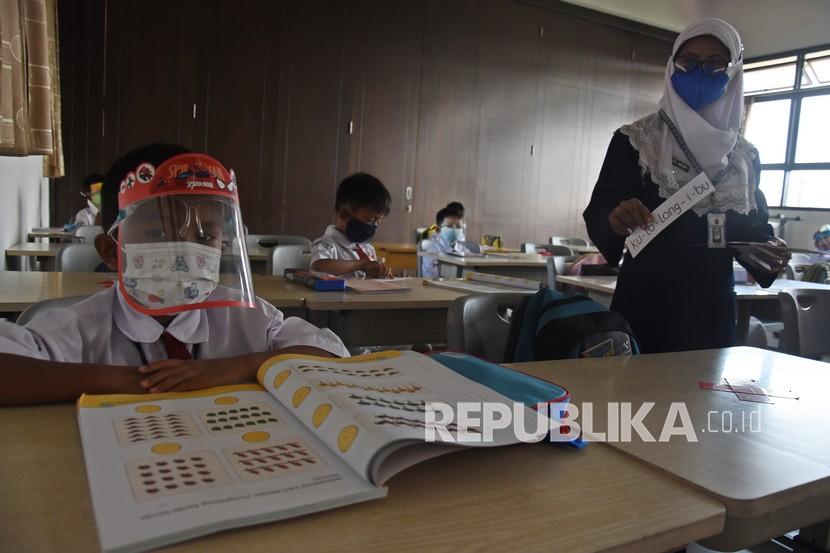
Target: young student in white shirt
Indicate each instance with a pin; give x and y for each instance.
(92, 192)
(445, 238)
(361, 204)
(168, 324)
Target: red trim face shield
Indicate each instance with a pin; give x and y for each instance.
(181, 244)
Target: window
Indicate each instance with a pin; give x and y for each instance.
(789, 98)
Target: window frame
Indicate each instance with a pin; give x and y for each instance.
(796, 95)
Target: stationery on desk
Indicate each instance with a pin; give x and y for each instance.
(377, 286)
(320, 282)
(317, 433)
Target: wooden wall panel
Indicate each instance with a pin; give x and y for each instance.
(448, 121)
(510, 47)
(311, 114)
(151, 71)
(447, 96)
(82, 83)
(386, 95)
(231, 123)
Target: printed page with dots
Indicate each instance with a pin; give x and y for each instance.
(167, 467)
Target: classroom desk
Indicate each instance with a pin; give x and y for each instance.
(521, 498)
(522, 265)
(417, 316)
(19, 290)
(771, 481)
(399, 256)
(749, 296)
(25, 251)
(56, 233)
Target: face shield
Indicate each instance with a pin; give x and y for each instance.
(180, 238)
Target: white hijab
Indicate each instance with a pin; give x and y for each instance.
(712, 134)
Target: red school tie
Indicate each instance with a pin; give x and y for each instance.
(360, 253)
(175, 349)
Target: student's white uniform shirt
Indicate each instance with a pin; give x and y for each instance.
(334, 245)
(85, 217)
(431, 248)
(104, 329)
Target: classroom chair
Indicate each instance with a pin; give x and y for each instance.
(77, 258)
(480, 324)
(805, 313)
(557, 249)
(271, 240)
(288, 257)
(87, 234)
(37, 308)
(556, 265)
(565, 241)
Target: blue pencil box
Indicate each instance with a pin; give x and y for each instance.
(508, 382)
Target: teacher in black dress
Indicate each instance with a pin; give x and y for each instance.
(677, 293)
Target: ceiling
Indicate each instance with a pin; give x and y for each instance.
(766, 26)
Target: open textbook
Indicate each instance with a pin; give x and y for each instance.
(317, 433)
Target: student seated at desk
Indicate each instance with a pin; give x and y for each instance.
(88, 216)
(168, 324)
(361, 204)
(445, 239)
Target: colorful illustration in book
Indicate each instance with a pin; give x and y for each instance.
(352, 400)
(407, 388)
(370, 372)
(273, 460)
(299, 395)
(346, 437)
(320, 414)
(379, 421)
(281, 377)
(135, 429)
(237, 418)
(164, 475)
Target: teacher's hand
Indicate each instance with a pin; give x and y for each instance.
(771, 256)
(628, 215)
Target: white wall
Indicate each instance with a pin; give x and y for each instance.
(24, 199)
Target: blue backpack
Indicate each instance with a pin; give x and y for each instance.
(553, 325)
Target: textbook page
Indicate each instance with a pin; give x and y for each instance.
(365, 408)
(167, 467)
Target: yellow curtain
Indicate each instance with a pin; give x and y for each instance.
(30, 83)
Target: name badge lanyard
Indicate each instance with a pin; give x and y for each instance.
(717, 220)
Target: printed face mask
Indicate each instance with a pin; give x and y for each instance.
(167, 274)
(358, 231)
(698, 88)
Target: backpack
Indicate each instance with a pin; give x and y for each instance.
(818, 272)
(552, 325)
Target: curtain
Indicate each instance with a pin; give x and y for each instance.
(30, 83)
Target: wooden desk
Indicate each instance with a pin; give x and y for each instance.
(522, 265)
(417, 316)
(521, 498)
(50, 232)
(19, 290)
(400, 256)
(601, 289)
(771, 481)
(25, 251)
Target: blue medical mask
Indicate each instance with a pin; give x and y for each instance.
(449, 234)
(698, 88)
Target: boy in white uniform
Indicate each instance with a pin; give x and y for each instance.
(344, 249)
(168, 325)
